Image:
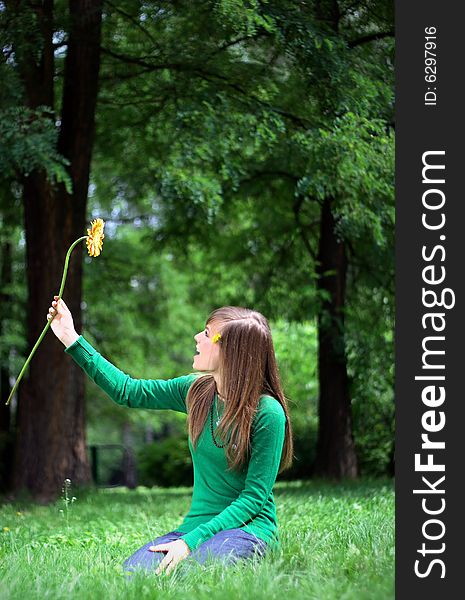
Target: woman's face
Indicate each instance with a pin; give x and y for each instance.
(207, 356)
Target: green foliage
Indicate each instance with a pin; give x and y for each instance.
(28, 137)
(28, 142)
(244, 18)
(354, 164)
(337, 541)
(371, 367)
(165, 463)
(20, 32)
(13, 284)
(296, 352)
(221, 126)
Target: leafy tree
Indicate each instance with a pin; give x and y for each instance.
(281, 106)
(252, 139)
(27, 142)
(50, 441)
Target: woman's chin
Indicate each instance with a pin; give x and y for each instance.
(199, 365)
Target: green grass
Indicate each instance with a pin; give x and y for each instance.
(337, 543)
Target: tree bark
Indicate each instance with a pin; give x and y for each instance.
(5, 416)
(51, 442)
(336, 457)
(5, 299)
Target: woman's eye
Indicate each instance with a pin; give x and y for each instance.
(206, 333)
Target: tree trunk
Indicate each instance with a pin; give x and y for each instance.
(5, 424)
(51, 437)
(336, 455)
(5, 299)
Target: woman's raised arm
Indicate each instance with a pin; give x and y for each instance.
(122, 389)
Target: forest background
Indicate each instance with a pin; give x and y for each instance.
(240, 153)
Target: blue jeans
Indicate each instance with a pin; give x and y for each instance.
(228, 546)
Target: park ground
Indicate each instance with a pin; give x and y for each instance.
(337, 543)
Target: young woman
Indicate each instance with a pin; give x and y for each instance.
(240, 434)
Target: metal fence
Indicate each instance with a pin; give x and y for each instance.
(112, 465)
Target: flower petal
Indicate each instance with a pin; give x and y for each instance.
(95, 237)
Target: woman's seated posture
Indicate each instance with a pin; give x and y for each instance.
(240, 434)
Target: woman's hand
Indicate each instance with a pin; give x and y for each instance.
(176, 552)
(62, 322)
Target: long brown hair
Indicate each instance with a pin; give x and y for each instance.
(248, 369)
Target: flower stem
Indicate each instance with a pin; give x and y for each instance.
(44, 331)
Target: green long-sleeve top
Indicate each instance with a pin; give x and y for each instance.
(222, 499)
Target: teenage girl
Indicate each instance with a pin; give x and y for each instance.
(240, 434)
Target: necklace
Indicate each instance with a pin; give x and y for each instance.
(218, 418)
(217, 423)
(234, 446)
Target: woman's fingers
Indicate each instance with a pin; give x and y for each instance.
(164, 563)
(58, 306)
(53, 310)
(173, 564)
(167, 559)
(176, 551)
(159, 548)
(62, 302)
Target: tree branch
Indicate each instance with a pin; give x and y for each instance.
(296, 119)
(231, 43)
(134, 22)
(209, 76)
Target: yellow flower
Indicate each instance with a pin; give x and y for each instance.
(216, 338)
(6, 529)
(95, 237)
(19, 514)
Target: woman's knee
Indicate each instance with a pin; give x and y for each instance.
(143, 558)
(229, 546)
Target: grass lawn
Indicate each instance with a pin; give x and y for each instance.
(337, 543)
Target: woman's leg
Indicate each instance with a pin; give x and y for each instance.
(147, 560)
(229, 546)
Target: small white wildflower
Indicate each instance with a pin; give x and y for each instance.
(353, 549)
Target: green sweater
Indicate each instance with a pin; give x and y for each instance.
(221, 499)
